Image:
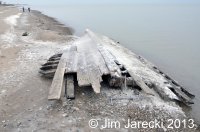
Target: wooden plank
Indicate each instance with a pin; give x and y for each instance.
(112, 66)
(69, 88)
(87, 44)
(98, 60)
(63, 92)
(72, 61)
(138, 81)
(47, 72)
(54, 59)
(56, 55)
(56, 86)
(109, 61)
(93, 72)
(82, 76)
(91, 64)
(107, 56)
(49, 67)
(50, 63)
(116, 79)
(182, 95)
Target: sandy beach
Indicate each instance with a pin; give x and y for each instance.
(23, 92)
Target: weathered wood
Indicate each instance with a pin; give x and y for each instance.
(69, 88)
(182, 95)
(82, 76)
(52, 71)
(114, 69)
(63, 91)
(56, 86)
(55, 59)
(116, 79)
(110, 62)
(98, 59)
(48, 67)
(51, 63)
(88, 74)
(138, 81)
(108, 58)
(94, 74)
(90, 59)
(91, 64)
(56, 55)
(186, 92)
(72, 61)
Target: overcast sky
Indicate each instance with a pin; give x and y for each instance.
(57, 2)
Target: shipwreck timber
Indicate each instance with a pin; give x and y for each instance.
(92, 56)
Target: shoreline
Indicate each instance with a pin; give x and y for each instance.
(71, 30)
(37, 47)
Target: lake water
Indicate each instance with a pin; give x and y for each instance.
(167, 35)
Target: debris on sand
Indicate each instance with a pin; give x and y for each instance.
(25, 34)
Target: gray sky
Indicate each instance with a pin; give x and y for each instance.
(57, 2)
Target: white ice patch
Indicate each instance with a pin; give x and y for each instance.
(2, 91)
(9, 38)
(12, 20)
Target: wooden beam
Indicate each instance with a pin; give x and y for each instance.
(91, 65)
(69, 88)
(138, 81)
(56, 55)
(56, 86)
(82, 75)
(48, 72)
(50, 63)
(72, 61)
(112, 66)
(49, 67)
(182, 95)
(94, 73)
(109, 61)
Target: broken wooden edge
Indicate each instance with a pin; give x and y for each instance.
(138, 81)
(182, 94)
(166, 76)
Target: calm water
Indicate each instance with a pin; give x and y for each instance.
(167, 35)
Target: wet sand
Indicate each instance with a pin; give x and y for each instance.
(23, 93)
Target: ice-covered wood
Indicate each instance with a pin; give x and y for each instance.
(113, 68)
(92, 56)
(142, 72)
(82, 77)
(91, 65)
(72, 59)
